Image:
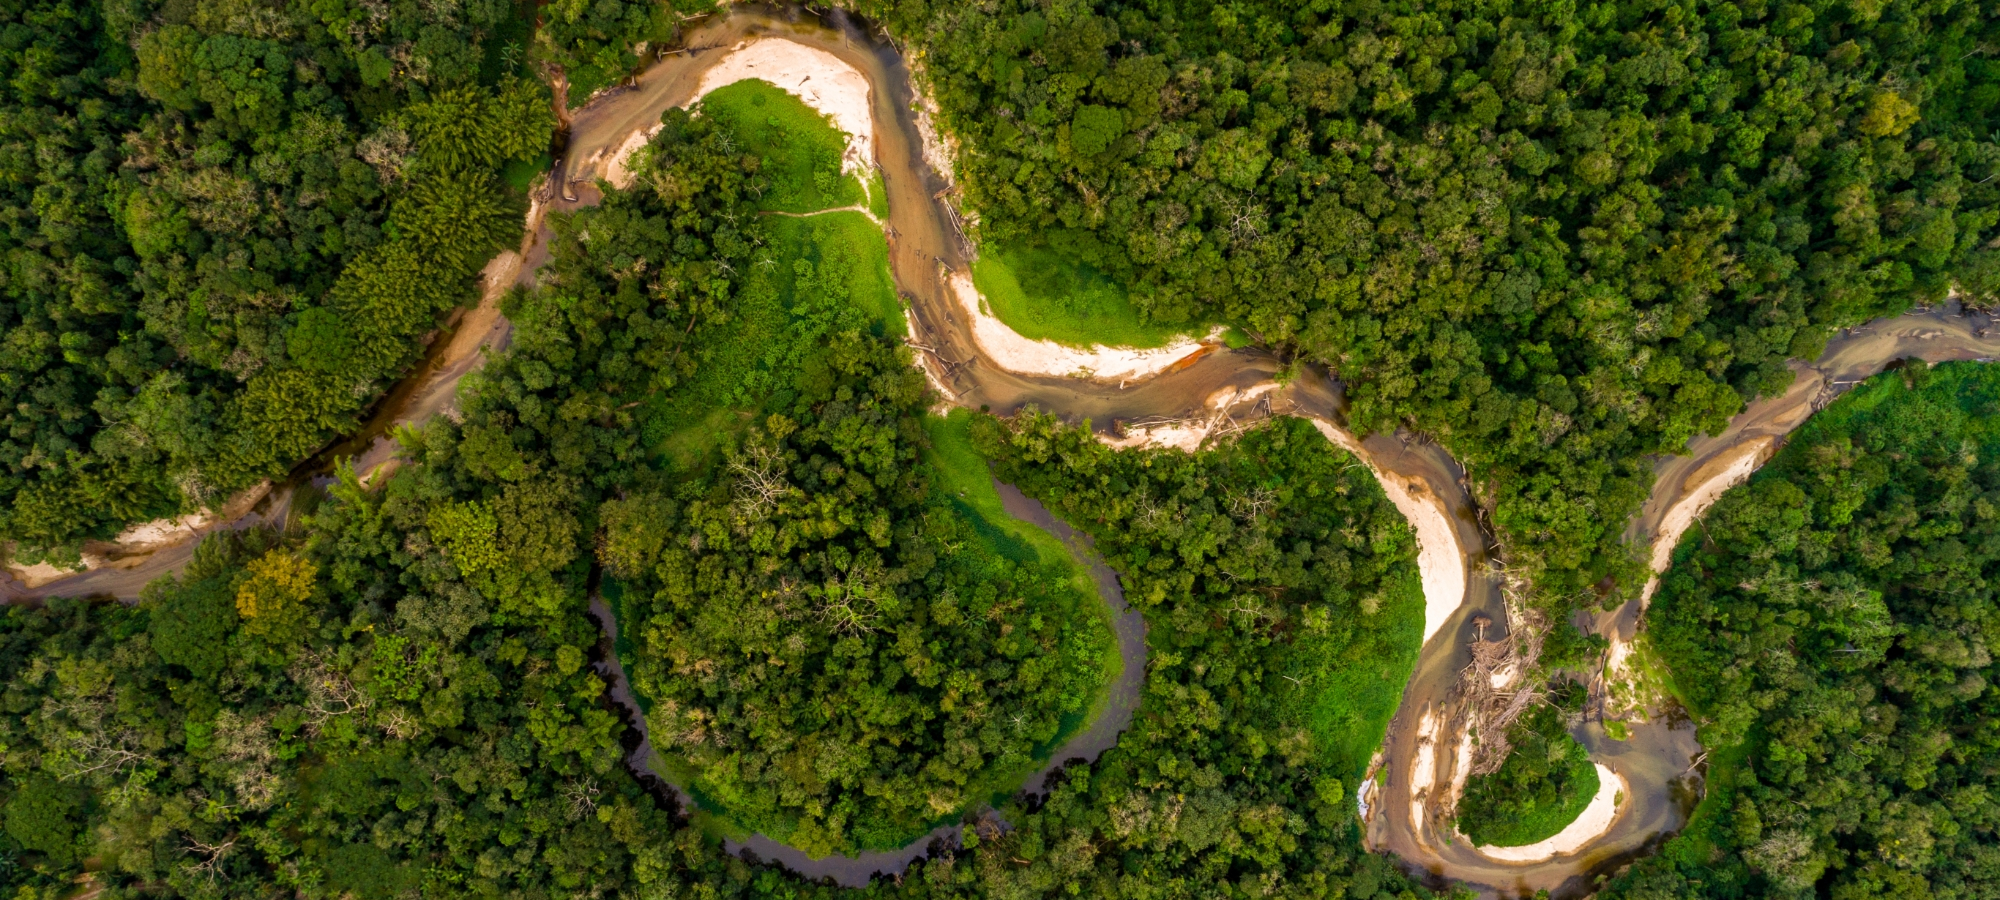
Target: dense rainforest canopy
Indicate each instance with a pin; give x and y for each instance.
(1558, 236)
(226, 225)
(1833, 622)
(1541, 785)
(397, 696)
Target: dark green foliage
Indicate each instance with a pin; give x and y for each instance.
(42, 817)
(1546, 780)
(1558, 236)
(829, 651)
(1830, 623)
(190, 626)
(799, 153)
(205, 199)
(595, 42)
(879, 658)
(435, 726)
(1283, 614)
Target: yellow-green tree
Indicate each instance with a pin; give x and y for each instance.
(273, 597)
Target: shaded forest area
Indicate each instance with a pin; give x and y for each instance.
(1543, 784)
(226, 226)
(884, 655)
(396, 697)
(1833, 623)
(1556, 235)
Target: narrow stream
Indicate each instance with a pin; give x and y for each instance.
(1657, 760)
(925, 248)
(1121, 701)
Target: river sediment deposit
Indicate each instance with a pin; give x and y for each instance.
(1182, 398)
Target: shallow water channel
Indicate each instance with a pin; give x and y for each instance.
(1114, 714)
(926, 249)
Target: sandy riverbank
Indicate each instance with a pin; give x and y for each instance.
(1591, 824)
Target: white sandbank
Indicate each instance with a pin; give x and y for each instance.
(828, 85)
(1439, 557)
(1014, 353)
(1188, 435)
(841, 92)
(1591, 824)
(1424, 770)
(159, 531)
(1440, 560)
(1708, 483)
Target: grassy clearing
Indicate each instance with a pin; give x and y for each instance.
(962, 475)
(1350, 680)
(1045, 294)
(878, 195)
(800, 147)
(820, 274)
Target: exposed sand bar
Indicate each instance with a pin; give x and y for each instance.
(1705, 486)
(1590, 824)
(1007, 349)
(826, 83)
(1440, 559)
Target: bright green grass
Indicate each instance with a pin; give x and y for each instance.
(878, 196)
(840, 245)
(800, 147)
(783, 308)
(1351, 676)
(519, 174)
(963, 477)
(1046, 295)
(818, 274)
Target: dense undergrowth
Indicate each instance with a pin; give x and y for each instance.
(395, 697)
(1558, 236)
(1831, 622)
(227, 225)
(1542, 786)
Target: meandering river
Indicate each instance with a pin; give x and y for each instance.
(1211, 390)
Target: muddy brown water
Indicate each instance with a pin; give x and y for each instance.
(1658, 757)
(925, 246)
